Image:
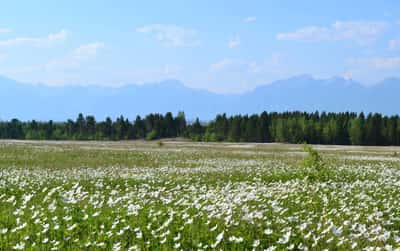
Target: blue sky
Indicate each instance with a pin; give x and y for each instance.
(222, 46)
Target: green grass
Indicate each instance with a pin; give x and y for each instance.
(196, 196)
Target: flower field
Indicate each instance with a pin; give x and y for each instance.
(196, 196)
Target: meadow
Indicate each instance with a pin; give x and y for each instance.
(139, 195)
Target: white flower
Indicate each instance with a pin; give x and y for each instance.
(19, 246)
(178, 237)
(117, 246)
(53, 206)
(337, 231)
(303, 226)
(236, 239)
(100, 244)
(268, 231)
(72, 227)
(388, 247)
(67, 218)
(134, 248)
(285, 238)
(218, 240)
(256, 243)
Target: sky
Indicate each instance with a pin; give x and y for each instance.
(222, 46)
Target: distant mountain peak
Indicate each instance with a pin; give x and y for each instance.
(302, 92)
(389, 83)
(172, 83)
(338, 78)
(6, 79)
(391, 79)
(301, 77)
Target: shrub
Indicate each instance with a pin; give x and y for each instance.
(152, 135)
(315, 168)
(313, 159)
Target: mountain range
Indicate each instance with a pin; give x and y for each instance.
(304, 93)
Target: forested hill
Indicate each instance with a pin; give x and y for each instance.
(300, 93)
(292, 127)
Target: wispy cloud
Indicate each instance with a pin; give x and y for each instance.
(361, 32)
(87, 50)
(147, 74)
(171, 35)
(4, 30)
(379, 63)
(225, 64)
(77, 56)
(75, 67)
(271, 63)
(253, 67)
(250, 19)
(36, 41)
(234, 42)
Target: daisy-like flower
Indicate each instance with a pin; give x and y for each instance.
(19, 246)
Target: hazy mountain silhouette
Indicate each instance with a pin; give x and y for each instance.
(304, 93)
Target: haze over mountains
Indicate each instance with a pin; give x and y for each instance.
(304, 93)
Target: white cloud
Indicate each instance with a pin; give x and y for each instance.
(144, 75)
(74, 67)
(269, 64)
(348, 75)
(310, 33)
(234, 75)
(36, 41)
(72, 60)
(383, 63)
(87, 50)
(250, 19)
(224, 64)
(171, 35)
(4, 30)
(171, 70)
(361, 32)
(234, 42)
(394, 44)
(76, 57)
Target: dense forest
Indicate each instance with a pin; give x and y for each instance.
(291, 127)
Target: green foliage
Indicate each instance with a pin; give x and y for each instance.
(210, 137)
(69, 196)
(315, 168)
(356, 131)
(288, 127)
(152, 135)
(313, 158)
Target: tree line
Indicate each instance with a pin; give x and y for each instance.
(345, 128)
